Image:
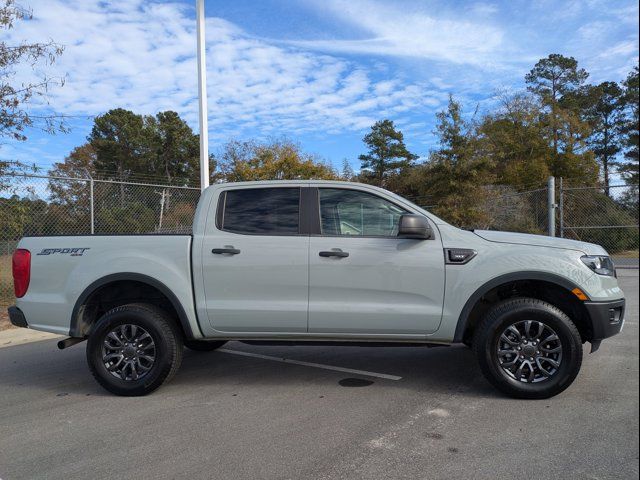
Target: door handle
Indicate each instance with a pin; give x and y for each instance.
(228, 251)
(334, 253)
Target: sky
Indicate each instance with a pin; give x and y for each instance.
(319, 72)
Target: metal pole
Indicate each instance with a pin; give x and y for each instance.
(551, 205)
(561, 207)
(91, 201)
(91, 206)
(164, 197)
(202, 98)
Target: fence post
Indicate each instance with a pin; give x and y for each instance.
(561, 208)
(91, 201)
(551, 205)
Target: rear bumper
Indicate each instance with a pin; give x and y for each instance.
(607, 318)
(16, 317)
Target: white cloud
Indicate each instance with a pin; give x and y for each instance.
(484, 9)
(624, 48)
(594, 31)
(284, 89)
(141, 55)
(396, 29)
(376, 59)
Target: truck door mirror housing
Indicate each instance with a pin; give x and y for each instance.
(416, 227)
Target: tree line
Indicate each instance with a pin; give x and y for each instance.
(559, 126)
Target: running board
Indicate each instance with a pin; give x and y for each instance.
(334, 343)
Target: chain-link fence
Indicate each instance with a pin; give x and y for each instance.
(496, 207)
(45, 205)
(525, 212)
(606, 216)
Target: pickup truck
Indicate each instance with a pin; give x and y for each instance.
(322, 263)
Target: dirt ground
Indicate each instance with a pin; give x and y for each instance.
(6, 291)
(4, 319)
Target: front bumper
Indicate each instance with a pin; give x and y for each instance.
(16, 317)
(607, 318)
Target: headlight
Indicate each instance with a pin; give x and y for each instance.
(600, 264)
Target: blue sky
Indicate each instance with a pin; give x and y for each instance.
(317, 71)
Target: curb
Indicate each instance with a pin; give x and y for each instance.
(20, 336)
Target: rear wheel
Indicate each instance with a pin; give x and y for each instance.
(528, 348)
(203, 345)
(134, 349)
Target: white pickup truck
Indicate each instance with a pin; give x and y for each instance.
(323, 262)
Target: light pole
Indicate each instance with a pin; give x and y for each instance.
(202, 98)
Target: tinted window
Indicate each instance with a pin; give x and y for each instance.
(350, 212)
(266, 211)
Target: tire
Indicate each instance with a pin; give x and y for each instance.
(541, 369)
(133, 334)
(203, 345)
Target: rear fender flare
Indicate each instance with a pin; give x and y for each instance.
(75, 330)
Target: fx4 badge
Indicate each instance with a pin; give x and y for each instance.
(74, 252)
(458, 256)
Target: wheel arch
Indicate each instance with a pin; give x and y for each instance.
(562, 285)
(81, 322)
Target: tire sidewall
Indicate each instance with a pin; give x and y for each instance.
(559, 322)
(164, 351)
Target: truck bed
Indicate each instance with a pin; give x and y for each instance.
(62, 267)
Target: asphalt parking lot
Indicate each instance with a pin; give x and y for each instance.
(225, 415)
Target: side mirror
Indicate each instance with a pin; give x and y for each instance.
(415, 226)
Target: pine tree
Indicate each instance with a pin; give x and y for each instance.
(552, 79)
(631, 127)
(457, 173)
(387, 153)
(604, 111)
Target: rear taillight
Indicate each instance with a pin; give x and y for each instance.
(21, 271)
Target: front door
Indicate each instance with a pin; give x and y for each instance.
(255, 262)
(363, 279)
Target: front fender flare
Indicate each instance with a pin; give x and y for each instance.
(501, 280)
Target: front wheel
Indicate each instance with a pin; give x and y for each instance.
(528, 348)
(134, 349)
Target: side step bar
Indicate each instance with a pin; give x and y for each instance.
(338, 343)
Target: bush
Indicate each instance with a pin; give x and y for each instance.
(133, 219)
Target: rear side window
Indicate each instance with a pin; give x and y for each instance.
(260, 211)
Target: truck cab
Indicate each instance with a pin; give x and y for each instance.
(326, 260)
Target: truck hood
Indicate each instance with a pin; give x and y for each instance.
(540, 241)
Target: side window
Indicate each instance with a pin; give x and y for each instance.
(260, 211)
(350, 212)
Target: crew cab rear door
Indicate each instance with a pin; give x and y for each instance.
(363, 278)
(255, 268)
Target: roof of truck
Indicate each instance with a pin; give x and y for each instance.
(266, 182)
(363, 186)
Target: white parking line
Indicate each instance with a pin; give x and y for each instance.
(310, 364)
